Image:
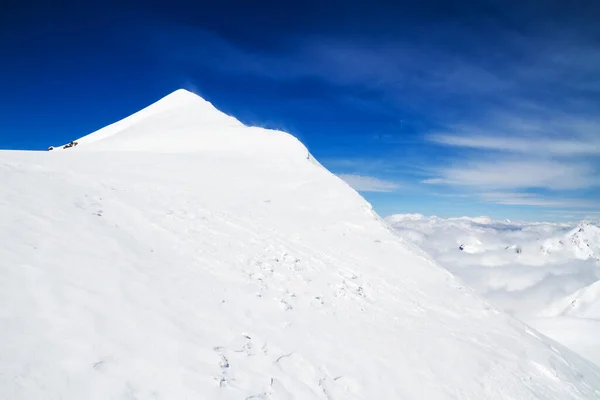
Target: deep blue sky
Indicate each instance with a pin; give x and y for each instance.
(446, 108)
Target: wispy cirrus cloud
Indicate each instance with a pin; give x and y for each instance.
(517, 120)
(362, 183)
(513, 173)
(532, 199)
(527, 68)
(540, 148)
(539, 144)
(541, 131)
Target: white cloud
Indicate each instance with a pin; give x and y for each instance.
(531, 199)
(515, 153)
(577, 212)
(539, 145)
(355, 165)
(538, 131)
(518, 174)
(540, 105)
(548, 266)
(528, 269)
(369, 183)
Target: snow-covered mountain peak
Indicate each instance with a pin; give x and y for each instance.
(184, 99)
(586, 238)
(183, 122)
(239, 270)
(583, 241)
(181, 96)
(589, 227)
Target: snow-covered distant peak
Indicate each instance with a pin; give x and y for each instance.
(587, 229)
(583, 241)
(183, 122)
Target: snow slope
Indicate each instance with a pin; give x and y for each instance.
(574, 320)
(178, 254)
(579, 334)
(584, 303)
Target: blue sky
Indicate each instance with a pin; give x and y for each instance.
(446, 108)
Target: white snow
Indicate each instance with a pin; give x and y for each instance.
(179, 254)
(547, 274)
(584, 303)
(194, 125)
(583, 242)
(579, 334)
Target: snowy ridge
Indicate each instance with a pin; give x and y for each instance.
(584, 303)
(238, 270)
(195, 125)
(178, 99)
(579, 334)
(583, 242)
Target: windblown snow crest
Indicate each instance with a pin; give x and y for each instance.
(179, 254)
(195, 125)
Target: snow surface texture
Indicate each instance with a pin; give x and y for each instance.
(546, 274)
(214, 261)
